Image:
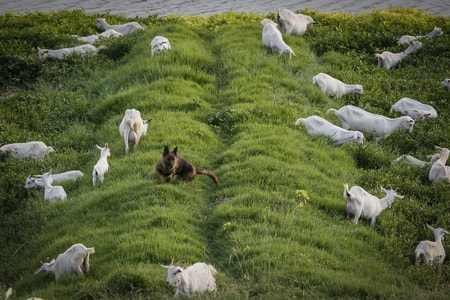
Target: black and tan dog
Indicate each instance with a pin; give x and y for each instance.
(171, 164)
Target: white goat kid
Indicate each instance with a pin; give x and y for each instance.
(101, 167)
(316, 125)
(292, 23)
(75, 260)
(428, 251)
(92, 39)
(52, 193)
(125, 29)
(389, 60)
(86, 49)
(361, 204)
(132, 127)
(334, 87)
(35, 182)
(197, 278)
(379, 126)
(417, 162)
(413, 108)
(30, 150)
(439, 171)
(273, 39)
(159, 44)
(436, 32)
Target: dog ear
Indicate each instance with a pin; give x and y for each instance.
(175, 150)
(166, 150)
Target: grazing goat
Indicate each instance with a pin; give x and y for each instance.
(74, 260)
(379, 126)
(437, 32)
(361, 204)
(159, 44)
(101, 167)
(125, 29)
(132, 127)
(334, 87)
(292, 23)
(389, 60)
(446, 83)
(413, 108)
(52, 192)
(92, 39)
(408, 39)
(428, 251)
(30, 150)
(273, 39)
(65, 52)
(197, 278)
(439, 171)
(417, 162)
(316, 125)
(34, 182)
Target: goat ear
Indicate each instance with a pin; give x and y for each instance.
(98, 147)
(106, 146)
(430, 227)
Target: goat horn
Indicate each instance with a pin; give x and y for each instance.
(171, 263)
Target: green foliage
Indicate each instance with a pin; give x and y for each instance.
(276, 226)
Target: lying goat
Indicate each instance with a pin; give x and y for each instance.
(195, 279)
(417, 162)
(292, 23)
(159, 44)
(428, 251)
(361, 204)
(74, 260)
(30, 150)
(63, 53)
(316, 125)
(125, 29)
(92, 39)
(35, 182)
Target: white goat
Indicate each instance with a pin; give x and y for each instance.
(35, 182)
(74, 260)
(446, 83)
(417, 162)
(389, 60)
(334, 87)
(159, 44)
(437, 32)
(132, 127)
(101, 167)
(30, 150)
(408, 39)
(125, 29)
(92, 39)
(439, 171)
(65, 52)
(292, 23)
(273, 39)
(316, 125)
(379, 126)
(428, 251)
(361, 204)
(197, 278)
(52, 192)
(413, 108)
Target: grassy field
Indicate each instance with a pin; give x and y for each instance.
(276, 226)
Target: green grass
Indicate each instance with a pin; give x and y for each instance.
(276, 226)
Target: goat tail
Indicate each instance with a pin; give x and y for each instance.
(212, 270)
(208, 173)
(87, 252)
(299, 121)
(331, 111)
(347, 194)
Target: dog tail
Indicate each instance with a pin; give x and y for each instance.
(209, 173)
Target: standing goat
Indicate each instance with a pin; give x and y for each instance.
(436, 32)
(413, 108)
(439, 171)
(30, 150)
(273, 39)
(101, 167)
(133, 127)
(334, 87)
(428, 251)
(52, 193)
(197, 278)
(389, 60)
(292, 23)
(361, 204)
(74, 260)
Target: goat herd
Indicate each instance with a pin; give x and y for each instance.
(199, 277)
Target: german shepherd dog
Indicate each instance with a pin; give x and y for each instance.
(171, 164)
